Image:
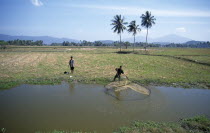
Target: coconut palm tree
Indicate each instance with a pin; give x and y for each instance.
(133, 28)
(147, 21)
(118, 25)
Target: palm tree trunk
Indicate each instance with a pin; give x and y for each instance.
(133, 43)
(120, 42)
(146, 40)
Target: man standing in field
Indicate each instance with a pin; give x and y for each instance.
(71, 64)
(119, 72)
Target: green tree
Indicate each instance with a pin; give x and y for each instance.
(98, 43)
(126, 44)
(133, 28)
(147, 21)
(118, 25)
(3, 44)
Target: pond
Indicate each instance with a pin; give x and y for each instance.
(86, 107)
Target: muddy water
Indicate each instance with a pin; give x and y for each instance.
(82, 107)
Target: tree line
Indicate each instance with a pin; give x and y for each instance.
(22, 42)
(81, 43)
(195, 45)
(125, 44)
(4, 44)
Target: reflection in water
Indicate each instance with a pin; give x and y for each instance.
(83, 107)
(117, 95)
(125, 95)
(71, 87)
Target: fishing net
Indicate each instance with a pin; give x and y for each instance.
(127, 89)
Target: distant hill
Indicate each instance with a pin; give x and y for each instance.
(194, 42)
(106, 41)
(46, 39)
(137, 39)
(198, 44)
(161, 43)
(172, 38)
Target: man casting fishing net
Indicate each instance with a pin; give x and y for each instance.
(126, 84)
(119, 72)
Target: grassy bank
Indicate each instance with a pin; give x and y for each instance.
(161, 66)
(198, 124)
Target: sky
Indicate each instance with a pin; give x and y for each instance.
(90, 19)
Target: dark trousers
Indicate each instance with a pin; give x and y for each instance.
(117, 76)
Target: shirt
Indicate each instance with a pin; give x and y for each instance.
(71, 63)
(119, 71)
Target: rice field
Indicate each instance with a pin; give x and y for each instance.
(168, 66)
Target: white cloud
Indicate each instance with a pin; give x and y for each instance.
(139, 11)
(183, 22)
(181, 29)
(36, 2)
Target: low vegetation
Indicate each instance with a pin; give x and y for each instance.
(59, 131)
(197, 124)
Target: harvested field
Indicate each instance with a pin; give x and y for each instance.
(159, 66)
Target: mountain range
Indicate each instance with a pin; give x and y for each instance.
(172, 38)
(45, 39)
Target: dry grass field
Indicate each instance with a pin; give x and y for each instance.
(168, 66)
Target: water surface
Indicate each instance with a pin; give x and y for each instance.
(85, 107)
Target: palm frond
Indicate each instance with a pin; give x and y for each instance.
(147, 20)
(133, 28)
(118, 24)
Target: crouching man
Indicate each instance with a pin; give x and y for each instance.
(119, 72)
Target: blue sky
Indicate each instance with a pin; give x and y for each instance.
(91, 19)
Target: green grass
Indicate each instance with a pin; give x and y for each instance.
(59, 131)
(197, 124)
(157, 66)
